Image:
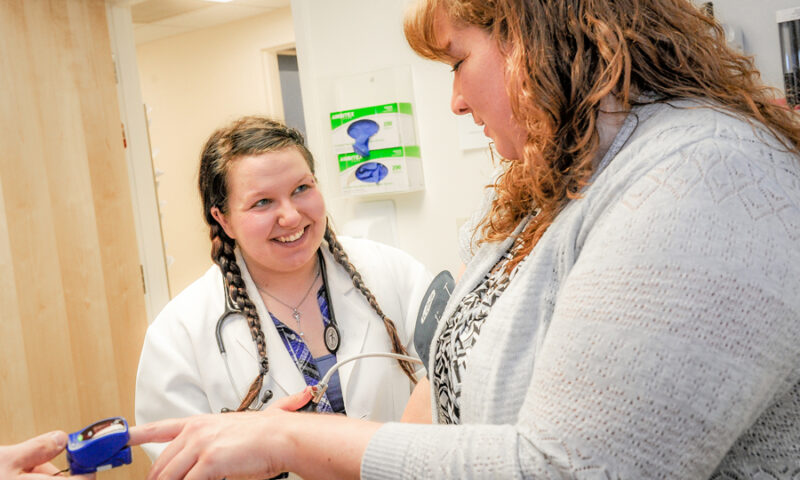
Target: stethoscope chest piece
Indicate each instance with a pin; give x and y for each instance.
(332, 338)
(331, 334)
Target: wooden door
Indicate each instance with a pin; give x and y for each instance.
(72, 312)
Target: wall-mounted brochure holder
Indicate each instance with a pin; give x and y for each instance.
(373, 134)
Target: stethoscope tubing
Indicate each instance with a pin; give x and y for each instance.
(323, 383)
(231, 308)
(324, 271)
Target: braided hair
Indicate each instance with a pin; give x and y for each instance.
(342, 259)
(253, 135)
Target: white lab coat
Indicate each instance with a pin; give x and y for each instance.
(182, 373)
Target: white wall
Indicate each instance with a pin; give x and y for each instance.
(192, 84)
(756, 20)
(196, 81)
(347, 37)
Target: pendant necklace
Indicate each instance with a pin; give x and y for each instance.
(295, 313)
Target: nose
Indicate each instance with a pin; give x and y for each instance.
(457, 103)
(288, 216)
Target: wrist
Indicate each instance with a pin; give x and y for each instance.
(289, 438)
(298, 437)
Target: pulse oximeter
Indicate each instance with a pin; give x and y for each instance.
(100, 446)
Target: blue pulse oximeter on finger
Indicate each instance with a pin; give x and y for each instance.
(100, 446)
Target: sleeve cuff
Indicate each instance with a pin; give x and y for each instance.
(386, 457)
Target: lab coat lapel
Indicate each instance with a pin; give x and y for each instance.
(282, 369)
(352, 318)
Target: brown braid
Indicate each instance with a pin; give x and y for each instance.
(245, 136)
(223, 254)
(342, 259)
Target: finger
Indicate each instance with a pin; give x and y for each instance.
(211, 466)
(49, 476)
(178, 462)
(47, 468)
(165, 458)
(202, 470)
(296, 401)
(50, 470)
(38, 450)
(156, 432)
(40, 476)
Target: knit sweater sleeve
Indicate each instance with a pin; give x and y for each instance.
(674, 330)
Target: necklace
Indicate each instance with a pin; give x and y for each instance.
(295, 313)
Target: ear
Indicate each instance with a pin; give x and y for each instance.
(223, 221)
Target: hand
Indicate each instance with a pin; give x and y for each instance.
(29, 460)
(231, 445)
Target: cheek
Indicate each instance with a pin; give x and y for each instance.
(316, 205)
(256, 225)
(471, 92)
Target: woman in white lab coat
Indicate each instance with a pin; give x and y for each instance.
(296, 302)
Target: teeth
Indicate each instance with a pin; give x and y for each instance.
(291, 238)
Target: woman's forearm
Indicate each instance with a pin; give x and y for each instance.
(258, 444)
(325, 446)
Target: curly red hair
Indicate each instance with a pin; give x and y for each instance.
(564, 57)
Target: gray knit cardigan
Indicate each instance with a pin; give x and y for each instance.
(654, 332)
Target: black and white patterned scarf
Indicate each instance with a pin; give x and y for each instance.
(460, 333)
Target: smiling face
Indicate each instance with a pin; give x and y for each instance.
(275, 212)
(479, 84)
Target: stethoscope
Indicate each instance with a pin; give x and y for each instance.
(331, 334)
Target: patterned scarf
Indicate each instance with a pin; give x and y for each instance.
(461, 332)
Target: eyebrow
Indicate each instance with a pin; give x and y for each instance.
(305, 177)
(447, 52)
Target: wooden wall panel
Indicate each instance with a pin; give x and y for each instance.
(73, 313)
(13, 374)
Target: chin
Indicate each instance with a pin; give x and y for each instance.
(505, 149)
(291, 265)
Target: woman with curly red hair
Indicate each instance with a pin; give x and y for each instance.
(631, 307)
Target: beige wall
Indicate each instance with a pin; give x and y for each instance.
(191, 84)
(427, 221)
(196, 81)
(72, 314)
